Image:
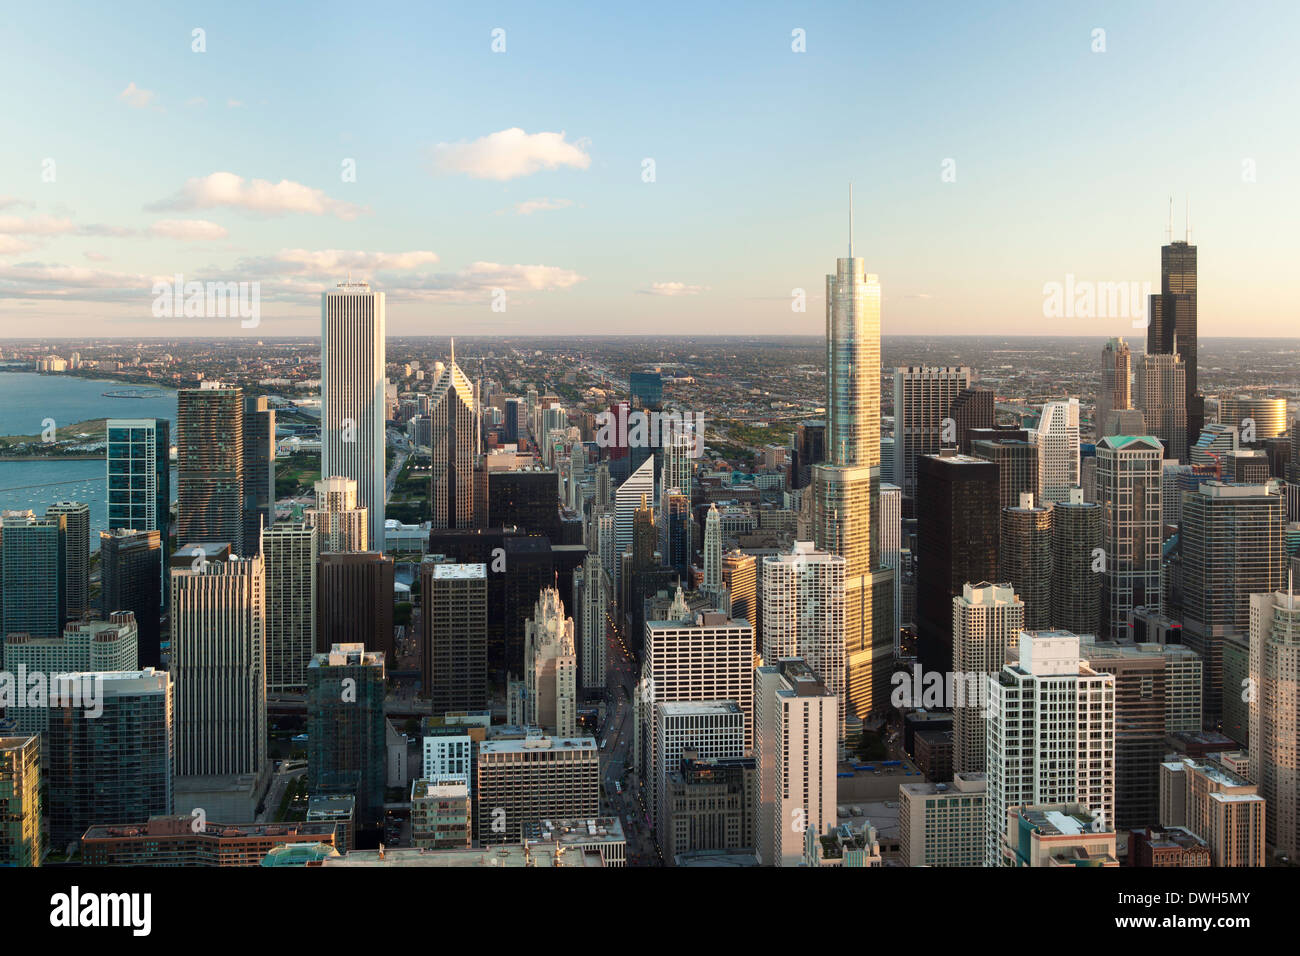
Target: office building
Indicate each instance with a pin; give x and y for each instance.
(987, 620)
(1017, 462)
(972, 410)
(259, 467)
(289, 554)
(354, 593)
(130, 570)
(1218, 805)
(1076, 574)
(1050, 736)
(941, 824)
(1274, 724)
(346, 744)
(352, 351)
(520, 783)
(1115, 392)
(709, 729)
(1255, 415)
(139, 474)
(593, 587)
(454, 635)
(710, 804)
(923, 399)
(1159, 391)
(210, 465)
(455, 444)
(441, 814)
(957, 543)
(33, 552)
(1129, 492)
(795, 732)
(551, 668)
(218, 642)
(74, 518)
(740, 578)
(115, 764)
(20, 801)
(1172, 325)
(1057, 441)
(1167, 847)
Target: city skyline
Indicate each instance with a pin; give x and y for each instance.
(430, 188)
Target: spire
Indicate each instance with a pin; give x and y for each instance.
(850, 220)
(453, 351)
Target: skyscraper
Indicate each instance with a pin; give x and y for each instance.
(1172, 324)
(1025, 559)
(32, 591)
(130, 566)
(551, 667)
(340, 523)
(986, 623)
(75, 526)
(1057, 440)
(217, 661)
(352, 395)
(1114, 393)
(259, 467)
(1017, 462)
(956, 544)
(114, 765)
(20, 801)
(210, 465)
(1076, 575)
(346, 744)
(454, 424)
(1274, 723)
(1233, 546)
(454, 635)
(139, 474)
(593, 603)
(1128, 490)
(712, 549)
(796, 726)
(289, 552)
(1050, 736)
(803, 616)
(354, 593)
(923, 399)
(639, 486)
(1159, 392)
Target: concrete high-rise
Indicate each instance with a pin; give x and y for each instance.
(923, 399)
(803, 616)
(218, 642)
(1129, 492)
(210, 465)
(1057, 441)
(986, 623)
(454, 416)
(341, 524)
(520, 783)
(1025, 558)
(796, 726)
(593, 585)
(32, 556)
(1050, 736)
(712, 549)
(1274, 722)
(551, 667)
(352, 395)
(289, 552)
(1076, 572)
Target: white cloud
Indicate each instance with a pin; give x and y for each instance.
(41, 280)
(674, 288)
(10, 246)
(510, 153)
(7, 201)
(530, 206)
(135, 97)
(35, 226)
(188, 230)
(234, 104)
(95, 256)
(198, 102)
(257, 195)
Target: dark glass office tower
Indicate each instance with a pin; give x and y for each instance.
(210, 460)
(957, 544)
(972, 409)
(1173, 321)
(139, 474)
(809, 450)
(647, 394)
(130, 563)
(346, 744)
(527, 499)
(259, 469)
(354, 601)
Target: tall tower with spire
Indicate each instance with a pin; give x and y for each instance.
(846, 488)
(454, 446)
(712, 550)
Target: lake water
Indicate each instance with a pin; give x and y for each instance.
(26, 399)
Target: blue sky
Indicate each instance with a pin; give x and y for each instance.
(1064, 159)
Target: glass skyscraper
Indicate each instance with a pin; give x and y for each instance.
(139, 474)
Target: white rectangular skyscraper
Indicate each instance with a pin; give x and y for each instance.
(352, 395)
